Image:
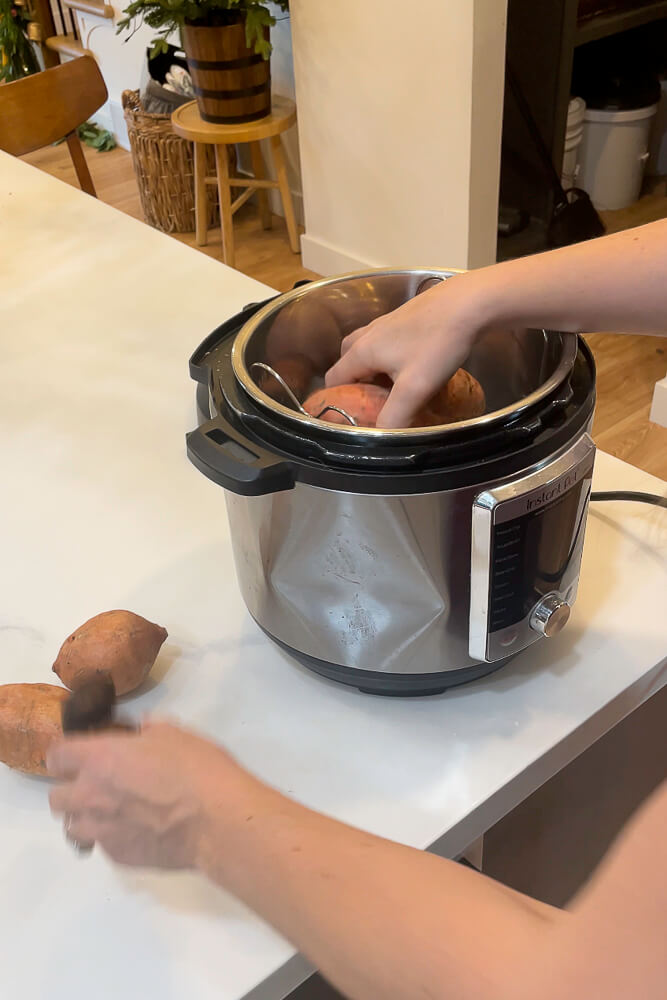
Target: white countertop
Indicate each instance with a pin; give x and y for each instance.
(101, 509)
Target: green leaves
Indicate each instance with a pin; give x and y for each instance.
(92, 135)
(257, 18)
(96, 137)
(170, 15)
(160, 46)
(17, 56)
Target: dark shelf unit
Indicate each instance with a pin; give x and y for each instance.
(542, 40)
(603, 25)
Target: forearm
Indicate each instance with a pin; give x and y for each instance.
(614, 284)
(379, 919)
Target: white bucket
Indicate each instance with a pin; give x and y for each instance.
(573, 136)
(613, 155)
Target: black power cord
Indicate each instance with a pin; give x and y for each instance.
(653, 498)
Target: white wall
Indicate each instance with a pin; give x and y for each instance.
(400, 109)
(120, 58)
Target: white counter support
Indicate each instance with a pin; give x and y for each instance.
(400, 119)
(659, 405)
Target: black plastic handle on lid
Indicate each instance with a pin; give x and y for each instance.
(233, 461)
(199, 370)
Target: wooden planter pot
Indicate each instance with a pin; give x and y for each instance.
(232, 83)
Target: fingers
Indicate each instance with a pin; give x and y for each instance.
(65, 757)
(82, 828)
(83, 796)
(411, 391)
(353, 338)
(356, 362)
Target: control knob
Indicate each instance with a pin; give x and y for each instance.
(550, 615)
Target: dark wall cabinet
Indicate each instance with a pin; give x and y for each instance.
(548, 43)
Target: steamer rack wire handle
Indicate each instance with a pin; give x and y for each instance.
(274, 374)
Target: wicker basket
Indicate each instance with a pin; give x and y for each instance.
(164, 169)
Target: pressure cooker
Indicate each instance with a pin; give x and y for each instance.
(400, 561)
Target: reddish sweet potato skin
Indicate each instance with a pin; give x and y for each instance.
(30, 719)
(361, 400)
(120, 643)
(462, 398)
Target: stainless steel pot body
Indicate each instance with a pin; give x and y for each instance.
(375, 583)
(401, 561)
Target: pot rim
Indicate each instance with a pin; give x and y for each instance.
(322, 428)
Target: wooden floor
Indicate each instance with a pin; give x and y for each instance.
(628, 367)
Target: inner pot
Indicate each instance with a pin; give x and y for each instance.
(516, 368)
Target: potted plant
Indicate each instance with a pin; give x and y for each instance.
(17, 56)
(228, 48)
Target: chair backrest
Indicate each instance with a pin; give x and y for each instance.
(40, 109)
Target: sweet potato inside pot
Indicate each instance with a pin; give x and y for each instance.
(30, 719)
(462, 398)
(360, 400)
(119, 643)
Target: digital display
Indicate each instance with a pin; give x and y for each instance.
(531, 555)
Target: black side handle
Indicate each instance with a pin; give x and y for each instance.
(197, 363)
(235, 462)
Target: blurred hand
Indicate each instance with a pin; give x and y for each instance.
(145, 796)
(419, 346)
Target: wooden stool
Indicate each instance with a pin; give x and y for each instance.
(188, 123)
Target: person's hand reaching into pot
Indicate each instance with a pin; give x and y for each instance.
(614, 284)
(419, 346)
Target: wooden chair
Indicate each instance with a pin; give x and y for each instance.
(39, 110)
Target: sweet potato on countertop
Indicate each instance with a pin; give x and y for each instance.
(119, 643)
(30, 719)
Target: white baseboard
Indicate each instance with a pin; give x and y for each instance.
(658, 414)
(323, 258)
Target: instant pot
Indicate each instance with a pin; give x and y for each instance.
(400, 561)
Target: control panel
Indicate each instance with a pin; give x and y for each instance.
(527, 540)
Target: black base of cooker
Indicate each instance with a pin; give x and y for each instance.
(390, 684)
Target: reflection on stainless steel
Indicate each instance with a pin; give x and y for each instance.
(377, 583)
(427, 284)
(515, 368)
(383, 583)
